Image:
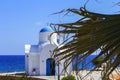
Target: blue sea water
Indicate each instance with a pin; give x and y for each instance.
(12, 63)
(86, 64)
(16, 63)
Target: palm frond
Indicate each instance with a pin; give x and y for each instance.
(93, 32)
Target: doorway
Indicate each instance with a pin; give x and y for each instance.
(50, 67)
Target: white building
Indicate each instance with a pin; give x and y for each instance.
(38, 60)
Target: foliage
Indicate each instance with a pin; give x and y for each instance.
(17, 78)
(89, 34)
(69, 77)
(98, 60)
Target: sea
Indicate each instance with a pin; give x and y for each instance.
(16, 63)
(12, 63)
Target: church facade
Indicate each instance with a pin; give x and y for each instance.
(38, 58)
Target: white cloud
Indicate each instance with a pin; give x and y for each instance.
(38, 23)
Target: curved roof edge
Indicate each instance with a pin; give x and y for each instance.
(46, 29)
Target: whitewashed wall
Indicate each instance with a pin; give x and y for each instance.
(33, 63)
(46, 37)
(27, 51)
(44, 55)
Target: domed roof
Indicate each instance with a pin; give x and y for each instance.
(46, 29)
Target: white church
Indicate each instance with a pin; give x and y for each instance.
(38, 58)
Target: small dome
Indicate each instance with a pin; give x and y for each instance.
(46, 29)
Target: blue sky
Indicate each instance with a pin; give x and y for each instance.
(21, 20)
